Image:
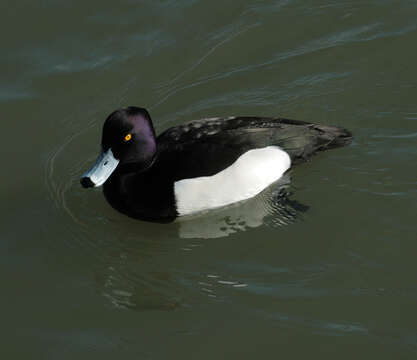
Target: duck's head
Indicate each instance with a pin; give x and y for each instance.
(128, 144)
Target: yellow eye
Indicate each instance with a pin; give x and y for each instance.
(128, 137)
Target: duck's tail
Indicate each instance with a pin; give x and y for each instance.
(305, 139)
(330, 137)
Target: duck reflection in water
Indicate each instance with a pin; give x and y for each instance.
(273, 207)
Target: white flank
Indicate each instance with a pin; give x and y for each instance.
(251, 173)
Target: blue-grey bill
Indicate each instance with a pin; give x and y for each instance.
(105, 164)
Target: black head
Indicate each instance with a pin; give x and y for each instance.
(128, 144)
(130, 135)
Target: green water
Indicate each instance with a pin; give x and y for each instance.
(335, 280)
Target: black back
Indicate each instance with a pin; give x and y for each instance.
(205, 147)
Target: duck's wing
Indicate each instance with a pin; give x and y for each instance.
(205, 147)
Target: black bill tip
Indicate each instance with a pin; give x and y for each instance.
(86, 182)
